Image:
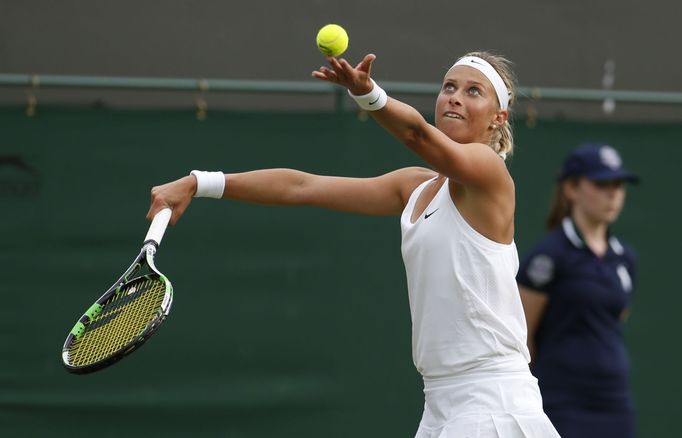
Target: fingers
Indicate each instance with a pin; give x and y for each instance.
(326, 74)
(176, 195)
(366, 63)
(152, 207)
(177, 213)
(320, 75)
(158, 205)
(331, 75)
(160, 200)
(342, 67)
(343, 73)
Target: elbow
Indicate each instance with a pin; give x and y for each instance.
(299, 191)
(417, 135)
(414, 138)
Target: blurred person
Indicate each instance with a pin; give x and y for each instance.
(576, 286)
(457, 222)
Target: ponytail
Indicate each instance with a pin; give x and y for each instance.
(502, 140)
(561, 206)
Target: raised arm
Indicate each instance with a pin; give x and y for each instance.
(471, 164)
(382, 195)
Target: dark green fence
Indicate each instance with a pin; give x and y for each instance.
(287, 322)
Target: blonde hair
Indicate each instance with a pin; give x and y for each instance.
(502, 140)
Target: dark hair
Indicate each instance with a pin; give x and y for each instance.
(561, 206)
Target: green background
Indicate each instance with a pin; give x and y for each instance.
(287, 322)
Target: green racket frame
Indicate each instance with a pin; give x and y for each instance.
(103, 324)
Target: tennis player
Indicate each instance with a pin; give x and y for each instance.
(576, 286)
(457, 220)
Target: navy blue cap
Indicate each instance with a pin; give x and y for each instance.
(596, 162)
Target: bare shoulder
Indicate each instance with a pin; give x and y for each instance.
(483, 151)
(491, 167)
(409, 178)
(415, 173)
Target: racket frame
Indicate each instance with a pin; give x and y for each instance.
(145, 257)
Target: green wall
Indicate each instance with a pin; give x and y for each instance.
(286, 321)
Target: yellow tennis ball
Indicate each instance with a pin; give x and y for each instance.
(332, 40)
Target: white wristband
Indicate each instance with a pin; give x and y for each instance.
(209, 184)
(372, 101)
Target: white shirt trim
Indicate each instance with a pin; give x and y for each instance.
(571, 233)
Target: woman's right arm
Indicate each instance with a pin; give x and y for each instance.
(534, 304)
(383, 195)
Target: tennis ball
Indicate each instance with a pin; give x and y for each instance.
(332, 40)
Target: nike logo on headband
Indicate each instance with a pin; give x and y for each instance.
(493, 76)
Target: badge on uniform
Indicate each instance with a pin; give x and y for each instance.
(541, 270)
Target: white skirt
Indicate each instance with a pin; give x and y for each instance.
(490, 405)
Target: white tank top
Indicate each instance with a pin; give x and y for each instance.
(466, 310)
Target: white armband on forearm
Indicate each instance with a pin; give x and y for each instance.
(209, 184)
(372, 101)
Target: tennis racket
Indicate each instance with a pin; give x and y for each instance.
(127, 314)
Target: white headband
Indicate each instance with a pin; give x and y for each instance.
(489, 72)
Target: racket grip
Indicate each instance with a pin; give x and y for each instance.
(158, 226)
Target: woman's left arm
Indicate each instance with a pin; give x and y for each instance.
(473, 164)
(469, 164)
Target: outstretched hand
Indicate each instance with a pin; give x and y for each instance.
(175, 195)
(355, 79)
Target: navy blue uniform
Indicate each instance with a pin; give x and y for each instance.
(580, 357)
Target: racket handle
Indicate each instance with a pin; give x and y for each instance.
(158, 226)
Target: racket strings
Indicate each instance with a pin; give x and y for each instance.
(123, 318)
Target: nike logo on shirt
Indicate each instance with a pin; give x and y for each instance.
(427, 215)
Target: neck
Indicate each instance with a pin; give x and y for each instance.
(593, 232)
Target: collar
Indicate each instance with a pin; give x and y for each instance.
(573, 235)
